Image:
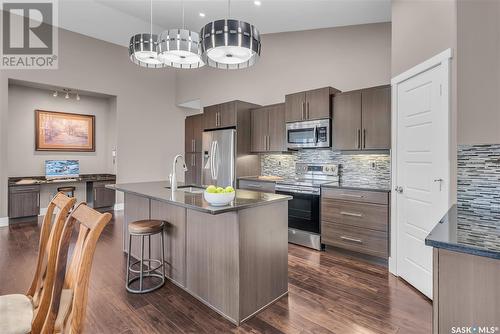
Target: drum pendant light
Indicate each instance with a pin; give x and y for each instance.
(143, 47)
(180, 47)
(230, 44)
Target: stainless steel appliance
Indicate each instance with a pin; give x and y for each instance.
(304, 227)
(308, 134)
(219, 155)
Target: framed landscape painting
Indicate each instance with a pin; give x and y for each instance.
(59, 131)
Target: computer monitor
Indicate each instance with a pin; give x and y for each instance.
(60, 169)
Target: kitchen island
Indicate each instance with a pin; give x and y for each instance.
(232, 258)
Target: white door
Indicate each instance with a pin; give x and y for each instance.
(422, 170)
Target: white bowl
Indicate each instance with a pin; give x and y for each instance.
(219, 199)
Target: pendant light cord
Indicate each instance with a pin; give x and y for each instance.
(228, 9)
(151, 17)
(183, 26)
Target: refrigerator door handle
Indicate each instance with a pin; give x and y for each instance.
(216, 159)
(212, 160)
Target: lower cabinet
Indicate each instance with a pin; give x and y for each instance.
(356, 220)
(24, 201)
(100, 196)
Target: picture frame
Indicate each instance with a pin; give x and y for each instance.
(64, 132)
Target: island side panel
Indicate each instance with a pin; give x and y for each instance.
(135, 208)
(263, 256)
(212, 268)
(175, 239)
(469, 293)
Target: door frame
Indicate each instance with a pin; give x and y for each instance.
(442, 59)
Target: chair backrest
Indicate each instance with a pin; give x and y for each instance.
(50, 234)
(69, 300)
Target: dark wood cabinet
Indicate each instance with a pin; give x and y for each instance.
(376, 118)
(24, 201)
(356, 220)
(309, 105)
(362, 119)
(347, 121)
(220, 115)
(268, 129)
(194, 165)
(102, 197)
(193, 133)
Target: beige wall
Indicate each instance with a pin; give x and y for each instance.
(420, 30)
(149, 126)
(345, 58)
(22, 158)
(479, 72)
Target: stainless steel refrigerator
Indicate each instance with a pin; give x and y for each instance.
(219, 158)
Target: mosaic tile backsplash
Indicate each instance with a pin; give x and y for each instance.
(367, 168)
(478, 174)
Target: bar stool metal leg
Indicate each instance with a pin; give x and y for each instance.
(128, 258)
(163, 256)
(142, 261)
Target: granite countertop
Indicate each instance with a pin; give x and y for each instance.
(160, 191)
(360, 185)
(345, 184)
(43, 180)
(467, 232)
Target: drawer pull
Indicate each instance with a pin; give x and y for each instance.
(254, 185)
(351, 195)
(344, 213)
(359, 241)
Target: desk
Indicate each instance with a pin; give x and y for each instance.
(31, 194)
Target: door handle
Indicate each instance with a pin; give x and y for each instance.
(351, 214)
(399, 189)
(359, 241)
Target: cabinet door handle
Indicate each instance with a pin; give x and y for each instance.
(95, 194)
(359, 241)
(254, 186)
(38, 199)
(364, 138)
(193, 144)
(268, 143)
(307, 115)
(352, 214)
(358, 139)
(351, 195)
(303, 110)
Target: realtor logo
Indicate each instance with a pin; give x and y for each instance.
(29, 34)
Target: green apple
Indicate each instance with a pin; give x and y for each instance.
(220, 190)
(229, 189)
(211, 189)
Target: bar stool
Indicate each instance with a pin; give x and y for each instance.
(142, 229)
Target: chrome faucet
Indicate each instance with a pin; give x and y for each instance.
(173, 176)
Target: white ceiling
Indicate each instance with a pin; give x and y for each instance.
(116, 20)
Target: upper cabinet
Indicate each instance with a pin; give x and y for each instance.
(309, 105)
(193, 133)
(362, 119)
(268, 129)
(220, 115)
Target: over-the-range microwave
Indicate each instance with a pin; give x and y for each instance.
(308, 134)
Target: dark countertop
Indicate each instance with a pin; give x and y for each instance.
(159, 191)
(345, 184)
(466, 232)
(42, 180)
(358, 185)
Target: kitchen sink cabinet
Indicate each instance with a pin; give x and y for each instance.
(309, 105)
(362, 119)
(356, 220)
(193, 133)
(268, 129)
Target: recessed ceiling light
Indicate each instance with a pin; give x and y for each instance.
(257, 3)
(202, 14)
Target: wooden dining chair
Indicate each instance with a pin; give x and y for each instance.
(69, 300)
(24, 313)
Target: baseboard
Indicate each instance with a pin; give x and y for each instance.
(119, 206)
(4, 221)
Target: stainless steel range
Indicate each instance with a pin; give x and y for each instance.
(304, 226)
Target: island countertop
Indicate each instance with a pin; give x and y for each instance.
(465, 232)
(160, 190)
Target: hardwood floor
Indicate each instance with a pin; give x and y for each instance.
(329, 293)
